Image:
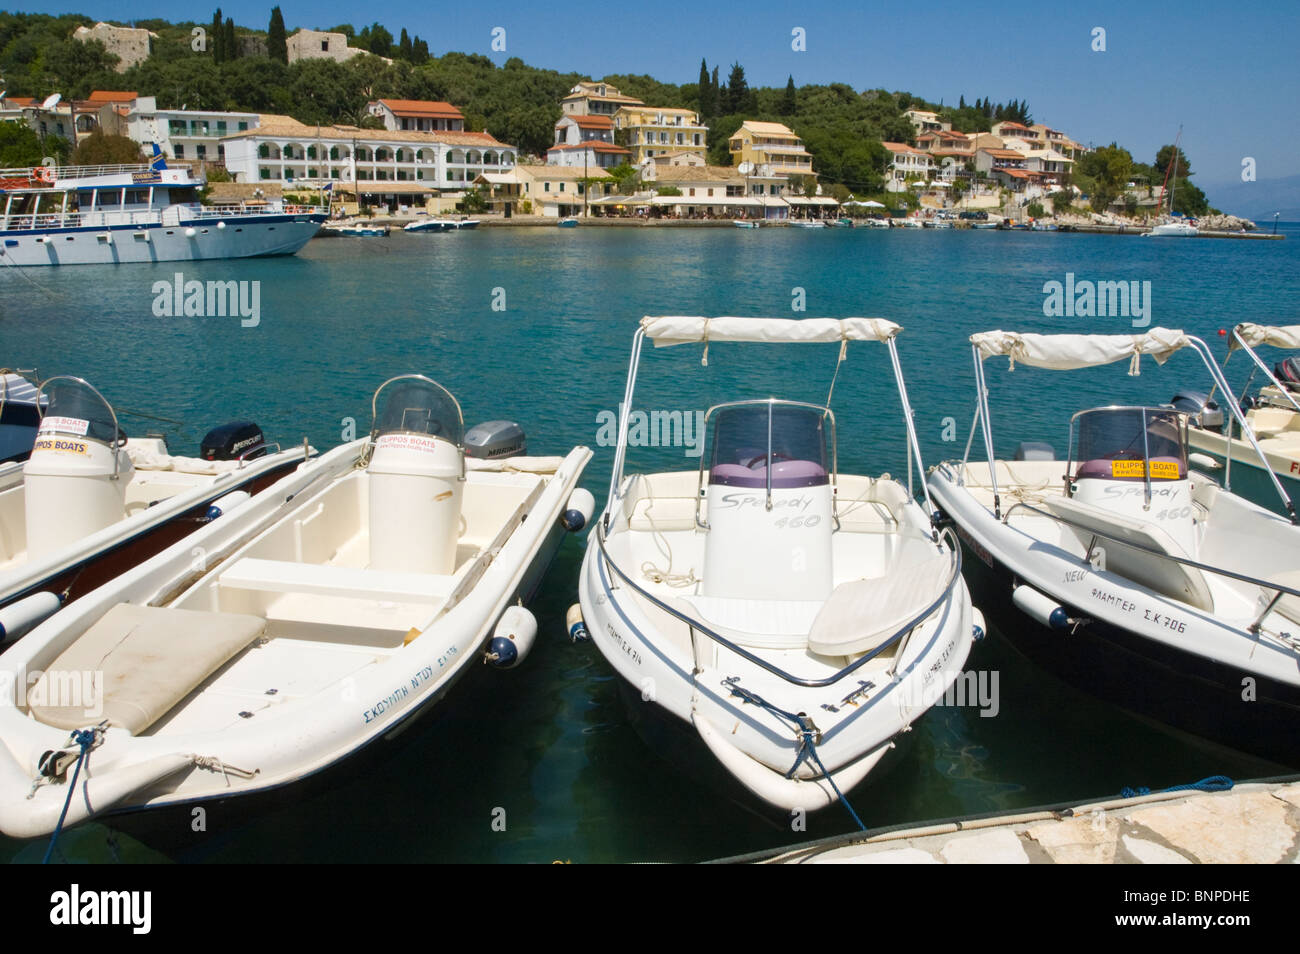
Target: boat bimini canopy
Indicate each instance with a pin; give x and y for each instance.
(1071, 352)
(668, 330)
(1248, 337)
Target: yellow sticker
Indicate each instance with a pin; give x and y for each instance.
(61, 445)
(1159, 469)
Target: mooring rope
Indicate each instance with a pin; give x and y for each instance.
(85, 739)
(1215, 783)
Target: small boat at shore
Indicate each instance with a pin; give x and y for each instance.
(807, 224)
(1125, 572)
(356, 230)
(569, 222)
(746, 223)
(791, 619)
(324, 617)
(91, 503)
(441, 225)
(1173, 229)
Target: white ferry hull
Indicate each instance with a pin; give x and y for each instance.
(270, 235)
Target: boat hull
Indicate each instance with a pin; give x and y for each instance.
(1122, 665)
(133, 244)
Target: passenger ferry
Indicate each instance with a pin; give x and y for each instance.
(82, 215)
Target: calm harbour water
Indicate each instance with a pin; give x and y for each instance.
(551, 742)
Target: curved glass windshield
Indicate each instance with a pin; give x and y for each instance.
(1114, 442)
(418, 406)
(748, 439)
(77, 408)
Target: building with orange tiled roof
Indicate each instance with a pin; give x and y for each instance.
(285, 150)
(770, 145)
(417, 115)
(907, 161)
(596, 99)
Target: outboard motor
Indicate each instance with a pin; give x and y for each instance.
(769, 503)
(1204, 412)
(232, 441)
(494, 440)
(1118, 448)
(416, 477)
(76, 479)
(1288, 373)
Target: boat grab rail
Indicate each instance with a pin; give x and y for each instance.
(1186, 561)
(695, 625)
(119, 438)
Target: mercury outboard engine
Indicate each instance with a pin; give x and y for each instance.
(769, 503)
(493, 440)
(76, 479)
(416, 476)
(1200, 408)
(233, 441)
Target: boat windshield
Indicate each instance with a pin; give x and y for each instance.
(751, 438)
(416, 405)
(1114, 442)
(77, 408)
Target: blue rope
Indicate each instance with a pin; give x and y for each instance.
(807, 748)
(85, 738)
(1215, 783)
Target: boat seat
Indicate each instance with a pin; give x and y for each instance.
(286, 576)
(1166, 577)
(150, 658)
(663, 514)
(769, 624)
(860, 615)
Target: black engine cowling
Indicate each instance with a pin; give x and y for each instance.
(233, 441)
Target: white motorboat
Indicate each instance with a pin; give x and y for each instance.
(323, 616)
(1159, 591)
(787, 618)
(1173, 229)
(1273, 416)
(78, 215)
(357, 230)
(807, 224)
(90, 503)
(441, 225)
(746, 223)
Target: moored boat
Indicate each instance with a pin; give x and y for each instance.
(323, 618)
(90, 503)
(791, 618)
(106, 214)
(1125, 572)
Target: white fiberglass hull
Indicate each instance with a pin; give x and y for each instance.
(243, 237)
(857, 716)
(230, 736)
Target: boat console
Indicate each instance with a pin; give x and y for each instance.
(769, 502)
(416, 472)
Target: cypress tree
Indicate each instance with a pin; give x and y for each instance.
(404, 48)
(229, 45)
(277, 46)
(737, 90)
(789, 103)
(715, 95)
(704, 97)
(217, 39)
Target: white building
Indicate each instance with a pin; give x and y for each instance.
(907, 161)
(586, 142)
(179, 133)
(287, 151)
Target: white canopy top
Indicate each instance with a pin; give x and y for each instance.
(669, 330)
(1283, 336)
(1067, 352)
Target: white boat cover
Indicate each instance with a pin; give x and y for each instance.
(667, 330)
(1068, 352)
(146, 458)
(1284, 336)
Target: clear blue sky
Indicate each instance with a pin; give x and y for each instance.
(1227, 72)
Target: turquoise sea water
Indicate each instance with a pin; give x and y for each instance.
(550, 742)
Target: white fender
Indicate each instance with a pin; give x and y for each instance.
(19, 617)
(773, 787)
